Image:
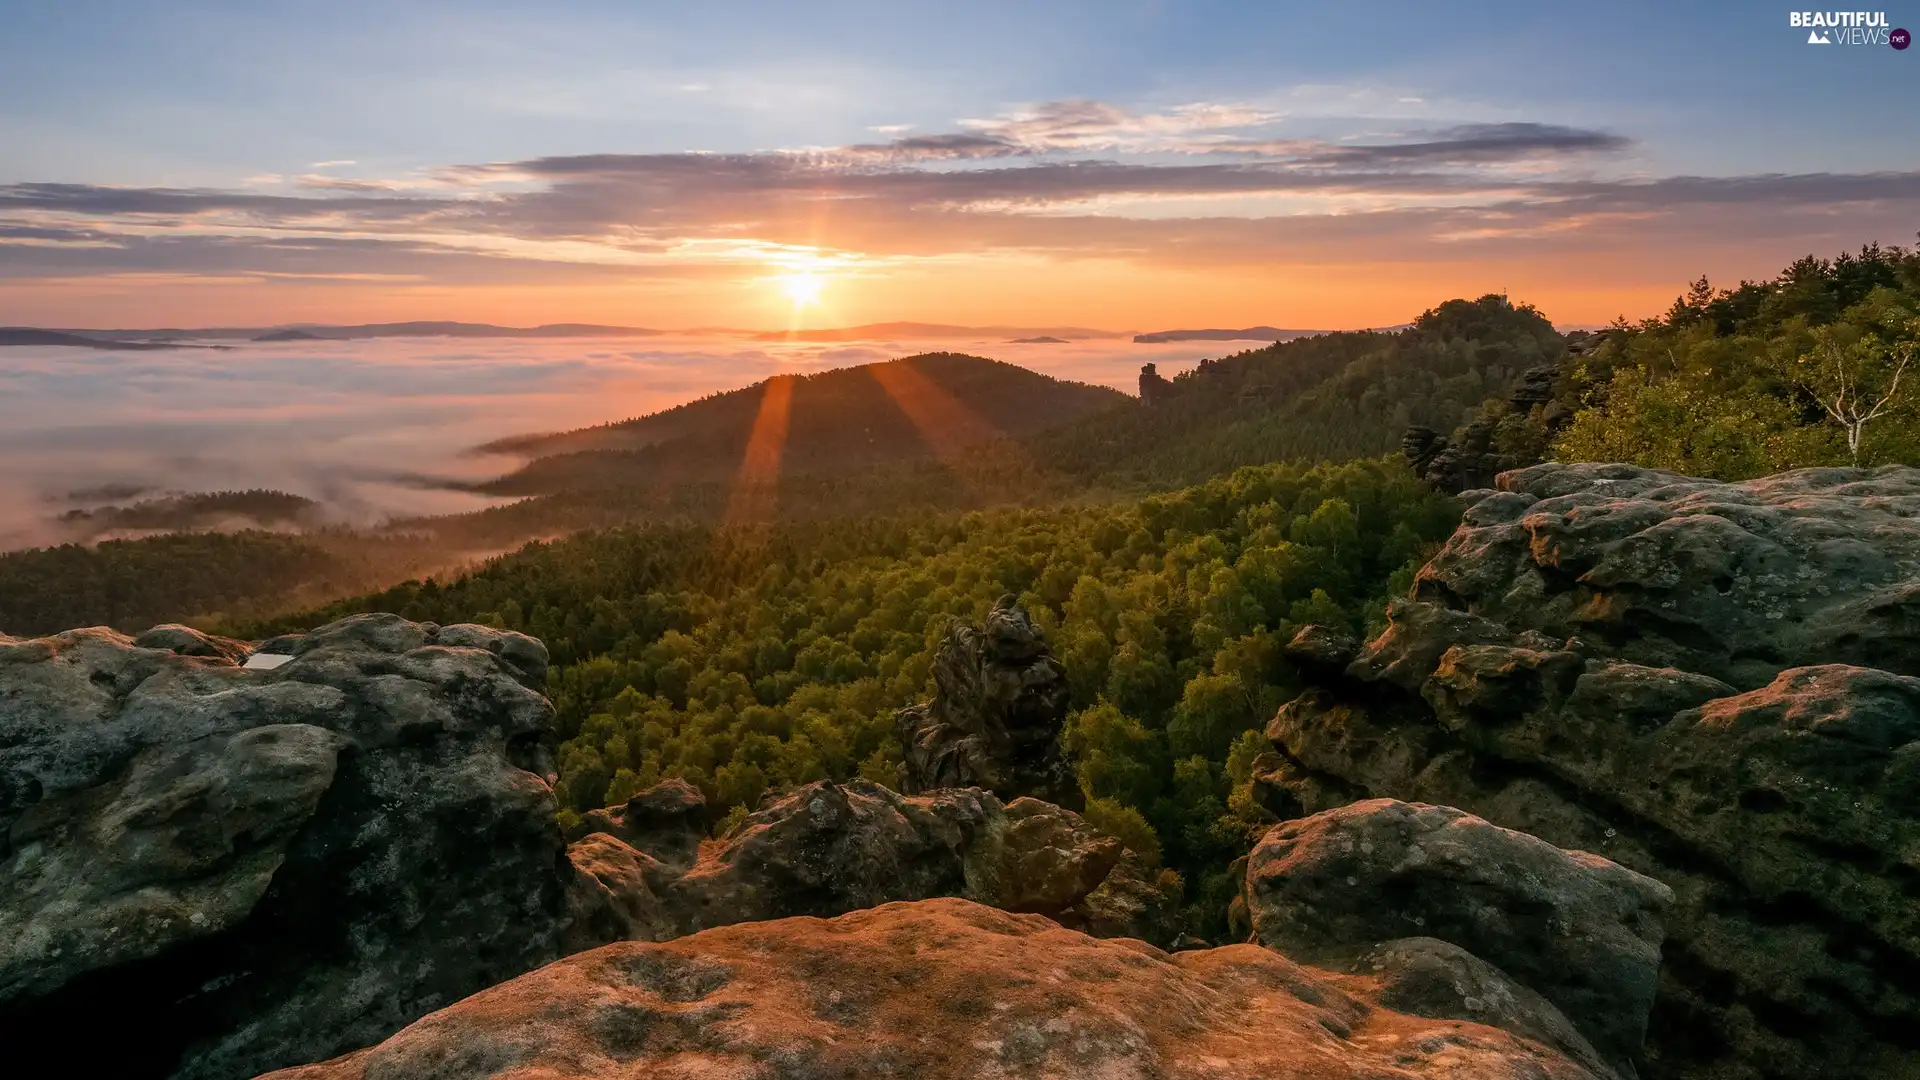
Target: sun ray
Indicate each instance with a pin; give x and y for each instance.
(803, 288)
(947, 424)
(755, 486)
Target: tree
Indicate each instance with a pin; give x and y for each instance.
(1855, 376)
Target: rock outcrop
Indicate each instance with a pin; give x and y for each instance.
(245, 869)
(944, 989)
(1470, 458)
(262, 867)
(1583, 932)
(827, 849)
(1713, 685)
(1154, 387)
(999, 704)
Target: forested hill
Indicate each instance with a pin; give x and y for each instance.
(1752, 380)
(926, 406)
(920, 435)
(915, 438)
(1328, 398)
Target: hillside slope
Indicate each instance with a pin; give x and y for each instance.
(932, 405)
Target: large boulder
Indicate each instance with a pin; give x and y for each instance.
(1737, 581)
(252, 868)
(938, 989)
(1582, 931)
(999, 704)
(1711, 684)
(826, 849)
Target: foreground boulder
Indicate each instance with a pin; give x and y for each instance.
(999, 704)
(1711, 684)
(240, 869)
(938, 989)
(1583, 932)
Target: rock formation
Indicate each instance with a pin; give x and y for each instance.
(945, 989)
(1154, 387)
(1581, 931)
(253, 868)
(1469, 458)
(1712, 684)
(999, 703)
(258, 868)
(246, 869)
(827, 849)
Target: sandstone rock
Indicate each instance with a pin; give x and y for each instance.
(1322, 651)
(1155, 388)
(1708, 683)
(1128, 903)
(1034, 856)
(668, 821)
(248, 869)
(1424, 976)
(187, 641)
(827, 849)
(935, 990)
(1468, 459)
(1582, 931)
(999, 704)
(1735, 581)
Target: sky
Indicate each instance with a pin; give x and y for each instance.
(1121, 164)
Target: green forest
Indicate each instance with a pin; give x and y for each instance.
(1763, 377)
(749, 661)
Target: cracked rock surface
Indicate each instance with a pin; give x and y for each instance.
(1716, 685)
(943, 990)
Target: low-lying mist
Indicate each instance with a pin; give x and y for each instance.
(376, 430)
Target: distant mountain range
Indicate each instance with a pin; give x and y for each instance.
(322, 332)
(887, 331)
(1251, 333)
(26, 335)
(900, 330)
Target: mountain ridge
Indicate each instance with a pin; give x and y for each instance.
(928, 405)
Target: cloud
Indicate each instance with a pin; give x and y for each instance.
(1086, 125)
(1192, 185)
(363, 426)
(1472, 144)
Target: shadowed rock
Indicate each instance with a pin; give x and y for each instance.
(827, 849)
(1710, 683)
(1000, 701)
(1581, 931)
(248, 868)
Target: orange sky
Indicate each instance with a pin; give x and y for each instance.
(1102, 294)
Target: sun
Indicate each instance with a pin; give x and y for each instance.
(802, 287)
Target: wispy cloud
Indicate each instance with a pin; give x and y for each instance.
(1191, 185)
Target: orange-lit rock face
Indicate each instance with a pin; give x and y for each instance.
(933, 990)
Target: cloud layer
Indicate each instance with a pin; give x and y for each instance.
(1198, 186)
(358, 426)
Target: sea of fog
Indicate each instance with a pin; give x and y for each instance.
(363, 427)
